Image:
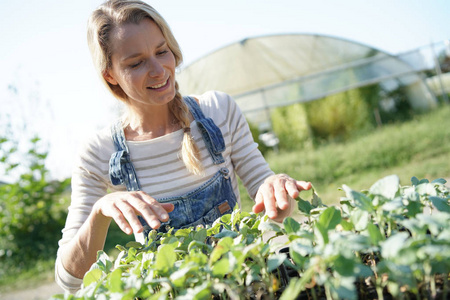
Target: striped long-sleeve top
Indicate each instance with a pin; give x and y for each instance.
(159, 169)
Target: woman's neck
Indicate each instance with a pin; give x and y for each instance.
(156, 121)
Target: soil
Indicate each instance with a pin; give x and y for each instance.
(41, 292)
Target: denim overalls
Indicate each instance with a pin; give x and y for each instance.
(201, 206)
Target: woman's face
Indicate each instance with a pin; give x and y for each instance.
(142, 64)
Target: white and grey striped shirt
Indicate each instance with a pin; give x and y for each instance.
(159, 169)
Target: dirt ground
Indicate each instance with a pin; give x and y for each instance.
(41, 292)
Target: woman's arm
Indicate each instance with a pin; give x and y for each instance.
(80, 253)
(92, 209)
(272, 192)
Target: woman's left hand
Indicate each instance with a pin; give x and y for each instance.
(275, 193)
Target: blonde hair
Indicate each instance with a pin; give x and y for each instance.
(102, 22)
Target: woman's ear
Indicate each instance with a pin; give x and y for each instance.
(109, 78)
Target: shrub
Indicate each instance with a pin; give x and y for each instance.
(32, 209)
(378, 243)
(338, 116)
(290, 124)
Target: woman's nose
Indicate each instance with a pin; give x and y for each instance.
(155, 69)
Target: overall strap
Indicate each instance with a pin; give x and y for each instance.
(121, 170)
(210, 132)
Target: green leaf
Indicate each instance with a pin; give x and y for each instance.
(293, 289)
(441, 204)
(321, 234)
(386, 187)
(92, 276)
(439, 181)
(226, 233)
(426, 189)
(374, 234)
(223, 246)
(165, 258)
(290, 225)
(346, 289)
(299, 253)
(134, 244)
(269, 226)
(361, 201)
(414, 180)
(221, 267)
(347, 226)
(392, 246)
(274, 261)
(178, 277)
(200, 235)
(115, 281)
(344, 266)
(304, 206)
(316, 201)
(330, 218)
(183, 232)
(360, 219)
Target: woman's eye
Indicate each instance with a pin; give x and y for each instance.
(135, 65)
(163, 52)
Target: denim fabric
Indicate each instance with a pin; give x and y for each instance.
(211, 133)
(121, 170)
(201, 206)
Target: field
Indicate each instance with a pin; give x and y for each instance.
(420, 148)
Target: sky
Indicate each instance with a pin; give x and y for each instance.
(48, 81)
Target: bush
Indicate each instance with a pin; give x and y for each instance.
(32, 209)
(290, 124)
(338, 116)
(378, 244)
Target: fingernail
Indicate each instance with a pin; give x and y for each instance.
(164, 216)
(154, 224)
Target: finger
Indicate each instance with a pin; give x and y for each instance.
(156, 207)
(169, 207)
(292, 189)
(280, 193)
(269, 201)
(129, 214)
(259, 204)
(120, 220)
(303, 185)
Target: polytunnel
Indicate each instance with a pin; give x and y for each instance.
(278, 70)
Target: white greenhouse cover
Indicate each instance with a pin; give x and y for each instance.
(270, 71)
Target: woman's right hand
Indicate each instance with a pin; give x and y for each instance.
(124, 207)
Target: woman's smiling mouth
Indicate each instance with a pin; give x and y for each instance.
(159, 85)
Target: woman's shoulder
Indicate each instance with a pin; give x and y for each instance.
(97, 142)
(214, 102)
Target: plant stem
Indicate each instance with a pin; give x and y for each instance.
(313, 293)
(328, 292)
(379, 288)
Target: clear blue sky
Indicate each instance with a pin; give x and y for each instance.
(43, 49)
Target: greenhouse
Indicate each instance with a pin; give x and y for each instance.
(266, 72)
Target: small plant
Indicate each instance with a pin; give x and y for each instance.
(389, 241)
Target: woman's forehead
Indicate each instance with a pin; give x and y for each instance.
(127, 36)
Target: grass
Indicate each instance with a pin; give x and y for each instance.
(420, 147)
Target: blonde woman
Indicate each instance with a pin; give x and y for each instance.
(171, 160)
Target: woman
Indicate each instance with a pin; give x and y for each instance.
(170, 160)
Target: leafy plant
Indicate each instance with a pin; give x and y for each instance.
(388, 241)
(31, 208)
